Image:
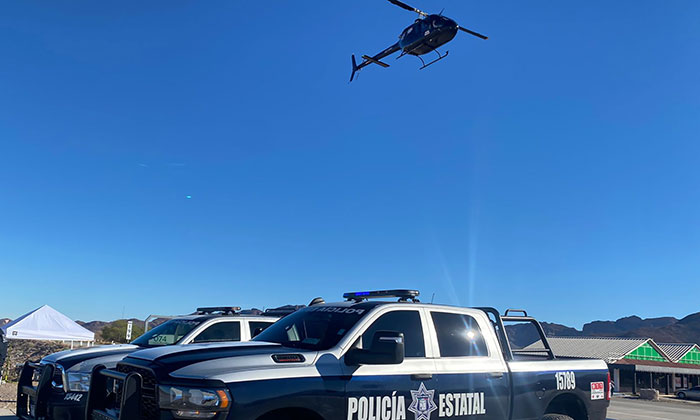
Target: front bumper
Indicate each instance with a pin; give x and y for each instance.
(46, 399)
(67, 406)
(32, 398)
(127, 393)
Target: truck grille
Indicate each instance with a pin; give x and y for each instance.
(149, 391)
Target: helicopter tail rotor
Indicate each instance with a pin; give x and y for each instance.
(354, 68)
(476, 34)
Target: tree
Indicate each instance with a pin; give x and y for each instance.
(116, 331)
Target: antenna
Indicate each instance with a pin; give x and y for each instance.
(432, 298)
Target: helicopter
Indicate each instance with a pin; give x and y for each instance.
(426, 34)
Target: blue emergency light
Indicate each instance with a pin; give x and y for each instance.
(404, 295)
(218, 309)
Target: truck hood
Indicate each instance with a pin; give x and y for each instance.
(71, 358)
(202, 350)
(226, 362)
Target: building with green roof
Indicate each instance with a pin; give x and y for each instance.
(635, 363)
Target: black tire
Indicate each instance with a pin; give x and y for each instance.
(681, 395)
(556, 417)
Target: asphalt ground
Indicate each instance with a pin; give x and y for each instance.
(634, 409)
(620, 409)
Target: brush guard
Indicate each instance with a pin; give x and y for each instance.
(32, 400)
(125, 390)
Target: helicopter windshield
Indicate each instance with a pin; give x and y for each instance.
(406, 32)
(412, 33)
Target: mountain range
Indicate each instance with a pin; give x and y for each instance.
(662, 330)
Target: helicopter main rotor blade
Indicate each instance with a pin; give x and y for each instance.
(476, 34)
(407, 7)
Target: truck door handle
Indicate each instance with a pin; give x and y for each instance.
(421, 376)
(495, 375)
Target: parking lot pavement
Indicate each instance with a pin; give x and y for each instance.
(620, 409)
(630, 409)
(6, 414)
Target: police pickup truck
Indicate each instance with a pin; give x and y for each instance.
(358, 360)
(56, 387)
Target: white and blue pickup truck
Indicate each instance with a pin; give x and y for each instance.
(56, 387)
(362, 359)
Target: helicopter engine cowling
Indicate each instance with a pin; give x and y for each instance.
(428, 34)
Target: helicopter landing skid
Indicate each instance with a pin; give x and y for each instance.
(440, 57)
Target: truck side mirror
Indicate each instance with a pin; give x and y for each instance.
(387, 348)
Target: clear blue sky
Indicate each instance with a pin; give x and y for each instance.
(555, 167)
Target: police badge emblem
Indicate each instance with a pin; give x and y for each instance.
(423, 403)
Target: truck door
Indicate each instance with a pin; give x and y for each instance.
(403, 391)
(472, 377)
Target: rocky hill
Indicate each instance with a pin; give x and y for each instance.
(93, 326)
(625, 325)
(98, 326)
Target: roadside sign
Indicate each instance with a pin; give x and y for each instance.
(129, 326)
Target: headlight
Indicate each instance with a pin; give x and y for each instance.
(193, 403)
(78, 381)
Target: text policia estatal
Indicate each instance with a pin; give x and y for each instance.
(394, 407)
(461, 404)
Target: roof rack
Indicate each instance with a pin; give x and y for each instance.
(225, 310)
(404, 295)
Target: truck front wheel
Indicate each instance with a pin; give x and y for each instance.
(556, 417)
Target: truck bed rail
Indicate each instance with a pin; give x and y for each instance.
(498, 321)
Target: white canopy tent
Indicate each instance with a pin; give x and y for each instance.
(46, 323)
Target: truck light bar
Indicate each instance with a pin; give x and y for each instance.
(222, 309)
(282, 311)
(404, 295)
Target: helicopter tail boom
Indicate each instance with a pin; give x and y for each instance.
(374, 61)
(367, 60)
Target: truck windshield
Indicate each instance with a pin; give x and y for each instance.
(313, 328)
(170, 332)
